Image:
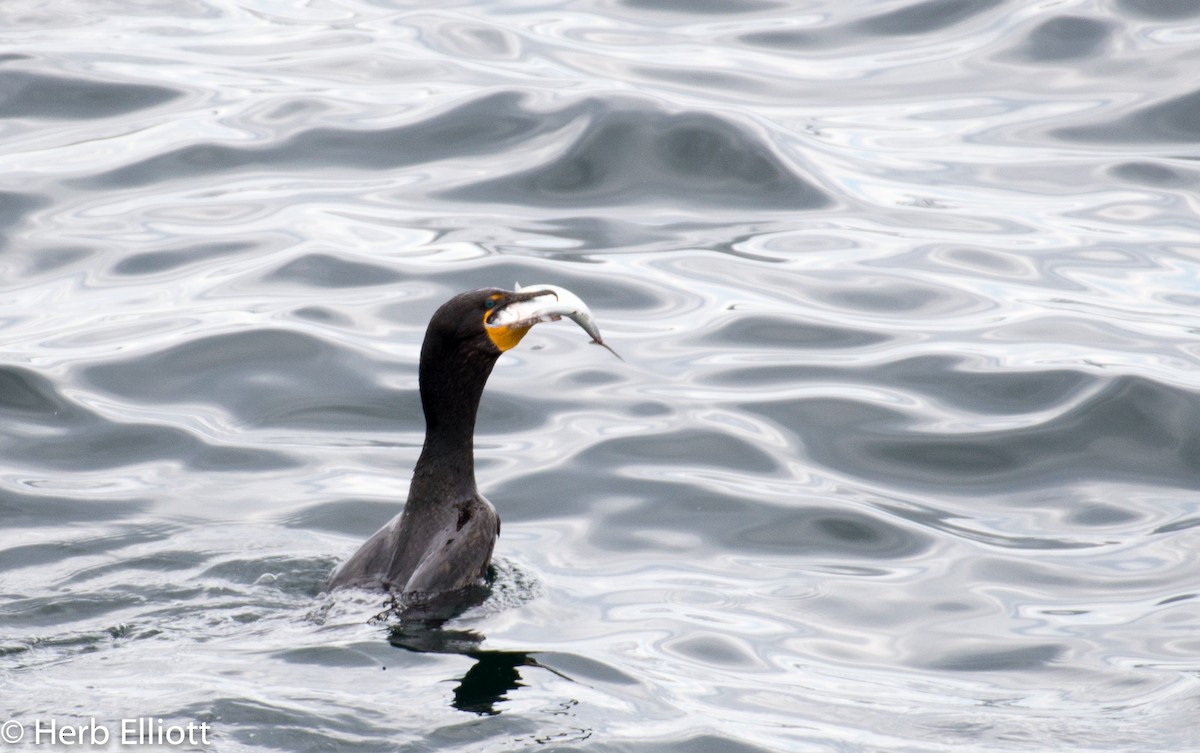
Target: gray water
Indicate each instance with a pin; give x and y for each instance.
(903, 456)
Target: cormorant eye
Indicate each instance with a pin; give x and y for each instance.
(489, 303)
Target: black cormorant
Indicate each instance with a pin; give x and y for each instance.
(441, 544)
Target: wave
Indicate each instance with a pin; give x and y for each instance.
(597, 151)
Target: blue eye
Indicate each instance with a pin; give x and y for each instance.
(489, 303)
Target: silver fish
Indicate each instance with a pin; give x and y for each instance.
(540, 308)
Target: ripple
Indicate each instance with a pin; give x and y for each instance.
(704, 7)
(1155, 174)
(326, 271)
(479, 126)
(155, 262)
(1065, 38)
(1160, 9)
(354, 517)
(15, 207)
(39, 554)
(23, 510)
(923, 17)
(853, 536)
(703, 448)
(991, 659)
(1130, 429)
(263, 378)
(25, 392)
(776, 331)
(1172, 120)
(86, 440)
(470, 39)
(34, 95)
(630, 152)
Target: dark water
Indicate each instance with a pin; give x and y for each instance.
(904, 454)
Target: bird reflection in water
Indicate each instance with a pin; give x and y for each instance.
(489, 680)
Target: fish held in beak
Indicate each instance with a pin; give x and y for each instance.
(547, 303)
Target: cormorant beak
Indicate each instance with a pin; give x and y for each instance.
(538, 303)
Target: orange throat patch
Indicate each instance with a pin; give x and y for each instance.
(506, 337)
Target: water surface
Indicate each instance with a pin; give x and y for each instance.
(903, 455)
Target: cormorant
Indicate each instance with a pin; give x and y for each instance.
(441, 544)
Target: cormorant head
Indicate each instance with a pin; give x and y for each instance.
(465, 337)
(472, 321)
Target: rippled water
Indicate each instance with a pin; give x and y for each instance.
(904, 454)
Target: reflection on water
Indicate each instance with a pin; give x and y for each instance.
(903, 454)
(489, 680)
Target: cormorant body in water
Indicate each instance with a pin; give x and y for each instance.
(440, 546)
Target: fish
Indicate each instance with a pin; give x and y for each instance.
(537, 309)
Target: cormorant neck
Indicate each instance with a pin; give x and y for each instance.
(452, 376)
